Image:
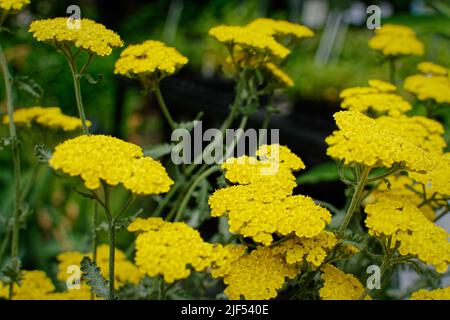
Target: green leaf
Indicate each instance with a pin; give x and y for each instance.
(99, 285)
(29, 85)
(11, 272)
(158, 151)
(91, 80)
(42, 153)
(201, 211)
(324, 172)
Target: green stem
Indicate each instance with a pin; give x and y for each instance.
(392, 70)
(356, 199)
(16, 161)
(94, 238)
(191, 189)
(79, 99)
(112, 253)
(163, 107)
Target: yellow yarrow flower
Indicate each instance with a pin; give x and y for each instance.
(362, 140)
(280, 28)
(392, 216)
(424, 87)
(436, 294)
(423, 132)
(257, 275)
(125, 271)
(437, 179)
(375, 100)
(170, 249)
(249, 39)
(395, 40)
(279, 75)
(262, 203)
(150, 58)
(338, 285)
(51, 117)
(91, 36)
(13, 5)
(34, 285)
(98, 158)
(428, 67)
(312, 250)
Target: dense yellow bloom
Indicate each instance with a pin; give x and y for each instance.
(337, 285)
(377, 98)
(406, 188)
(437, 179)
(392, 216)
(125, 271)
(395, 40)
(262, 203)
(150, 58)
(279, 75)
(91, 36)
(423, 132)
(432, 68)
(257, 275)
(34, 285)
(249, 39)
(437, 294)
(170, 249)
(363, 140)
(46, 117)
(83, 293)
(426, 87)
(13, 4)
(99, 157)
(312, 250)
(280, 28)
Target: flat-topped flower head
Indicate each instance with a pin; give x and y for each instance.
(338, 285)
(13, 5)
(149, 59)
(170, 249)
(280, 28)
(428, 67)
(257, 275)
(392, 216)
(34, 285)
(91, 36)
(362, 140)
(425, 87)
(125, 271)
(437, 179)
(424, 132)
(50, 117)
(436, 294)
(377, 99)
(262, 204)
(250, 40)
(97, 158)
(395, 40)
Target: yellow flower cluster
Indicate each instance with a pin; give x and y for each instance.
(170, 249)
(428, 67)
(125, 271)
(46, 117)
(279, 75)
(99, 157)
(150, 58)
(91, 36)
(437, 294)
(437, 179)
(313, 250)
(421, 131)
(394, 40)
(406, 188)
(34, 285)
(338, 285)
(426, 87)
(257, 275)
(392, 216)
(375, 99)
(262, 203)
(13, 4)
(280, 28)
(363, 140)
